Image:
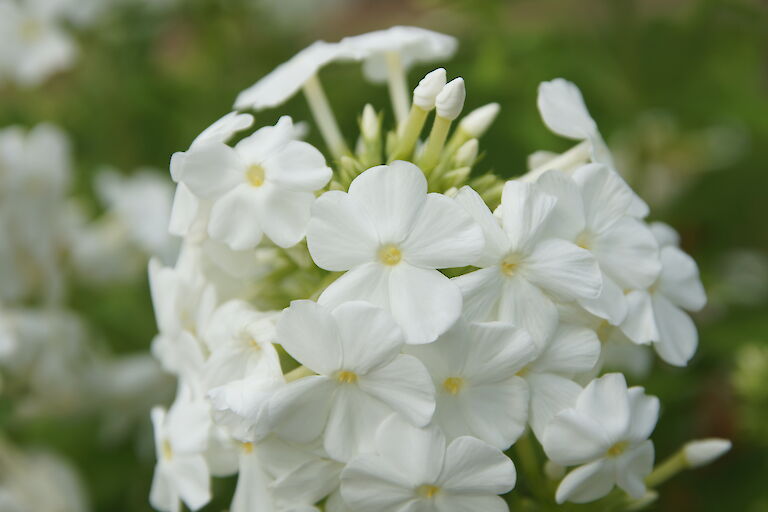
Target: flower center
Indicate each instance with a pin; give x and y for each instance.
(390, 255)
(510, 264)
(453, 385)
(30, 30)
(617, 449)
(427, 491)
(346, 377)
(525, 370)
(584, 240)
(167, 450)
(247, 447)
(254, 344)
(255, 175)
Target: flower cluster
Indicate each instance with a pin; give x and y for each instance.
(375, 330)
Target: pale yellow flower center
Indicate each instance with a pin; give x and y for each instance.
(453, 385)
(390, 255)
(247, 447)
(167, 450)
(427, 491)
(346, 377)
(510, 264)
(255, 175)
(617, 449)
(585, 240)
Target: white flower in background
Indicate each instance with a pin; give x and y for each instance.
(141, 204)
(362, 377)
(391, 236)
(658, 314)
(592, 211)
(521, 269)
(264, 185)
(181, 473)
(33, 45)
(606, 434)
(474, 367)
(416, 469)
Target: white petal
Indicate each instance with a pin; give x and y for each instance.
(525, 306)
(606, 401)
(393, 195)
(265, 142)
(664, 234)
(564, 270)
(367, 483)
(562, 109)
(298, 166)
(481, 290)
(340, 234)
(284, 214)
(572, 350)
(235, 218)
(190, 476)
(567, 218)
(611, 304)
(299, 410)
(550, 394)
(252, 491)
(640, 324)
(496, 242)
(633, 467)
(524, 212)
(417, 453)
(496, 413)
(224, 128)
(352, 422)
(495, 351)
(474, 467)
(679, 280)
(309, 333)
(405, 386)
(163, 496)
(628, 253)
(211, 169)
(369, 336)
(607, 197)
(443, 236)
(184, 210)
(644, 411)
(574, 438)
(587, 483)
(678, 338)
(424, 302)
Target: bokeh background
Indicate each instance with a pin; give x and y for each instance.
(679, 89)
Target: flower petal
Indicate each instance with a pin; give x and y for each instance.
(496, 241)
(607, 197)
(644, 411)
(352, 422)
(298, 166)
(368, 282)
(679, 280)
(628, 253)
(562, 109)
(633, 467)
(525, 306)
(564, 270)
(481, 291)
(211, 169)
(284, 214)
(550, 394)
(369, 336)
(299, 411)
(572, 350)
(191, 477)
(524, 212)
(640, 324)
(587, 483)
(606, 401)
(496, 413)
(235, 218)
(309, 333)
(474, 467)
(611, 304)
(678, 338)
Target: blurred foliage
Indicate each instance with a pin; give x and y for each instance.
(148, 80)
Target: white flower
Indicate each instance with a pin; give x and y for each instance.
(415, 469)
(240, 342)
(355, 350)
(658, 314)
(264, 185)
(32, 44)
(473, 367)
(181, 473)
(391, 236)
(414, 45)
(606, 432)
(703, 451)
(592, 211)
(563, 110)
(521, 270)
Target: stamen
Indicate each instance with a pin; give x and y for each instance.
(255, 175)
(390, 255)
(427, 491)
(453, 385)
(247, 447)
(326, 121)
(509, 265)
(346, 377)
(617, 449)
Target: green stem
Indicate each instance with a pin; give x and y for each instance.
(435, 143)
(667, 469)
(407, 141)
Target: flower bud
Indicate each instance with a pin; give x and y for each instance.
(467, 153)
(703, 451)
(369, 124)
(476, 123)
(450, 101)
(429, 87)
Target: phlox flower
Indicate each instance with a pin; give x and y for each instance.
(414, 469)
(658, 313)
(592, 211)
(181, 473)
(522, 269)
(474, 367)
(362, 377)
(606, 433)
(390, 235)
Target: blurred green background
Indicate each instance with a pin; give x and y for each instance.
(679, 89)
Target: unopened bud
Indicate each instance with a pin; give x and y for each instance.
(702, 452)
(429, 87)
(467, 153)
(369, 124)
(477, 122)
(450, 101)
